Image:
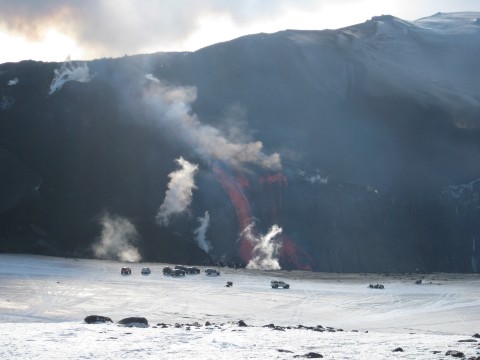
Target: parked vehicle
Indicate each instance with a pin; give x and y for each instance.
(126, 271)
(277, 284)
(167, 270)
(192, 270)
(212, 272)
(146, 271)
(177, 272)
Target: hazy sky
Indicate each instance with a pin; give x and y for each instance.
(51, 30)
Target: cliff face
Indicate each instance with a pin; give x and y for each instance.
(361, 143)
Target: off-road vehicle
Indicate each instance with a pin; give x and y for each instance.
(279, 284)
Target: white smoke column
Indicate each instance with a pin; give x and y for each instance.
(266, 248)
(201, 231)
(69, 72)
(172, 105)
(117, 239)
(179, 193)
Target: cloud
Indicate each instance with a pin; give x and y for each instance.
(179, 193)
(201, 231)
(172, 108)
(116, 27)
(117, 239)
(265, 248)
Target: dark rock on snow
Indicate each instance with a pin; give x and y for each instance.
(455, 353)
(242, 323)
(310, 355)
(398, 349)
(134, 322)
(97, 319)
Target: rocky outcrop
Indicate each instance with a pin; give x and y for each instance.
(97, 319)
(134, 322)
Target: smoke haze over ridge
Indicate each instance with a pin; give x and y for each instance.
(172, 105)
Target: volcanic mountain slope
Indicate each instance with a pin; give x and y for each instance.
(362, 144)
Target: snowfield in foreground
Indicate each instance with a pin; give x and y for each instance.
(43, 302)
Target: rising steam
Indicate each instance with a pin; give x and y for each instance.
(117, 239)
(173, 105)
(265, 248)
(69, 72)
(179, 193)
(201, 231)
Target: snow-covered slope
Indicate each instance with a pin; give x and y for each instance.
(43, 302)
(431, 59)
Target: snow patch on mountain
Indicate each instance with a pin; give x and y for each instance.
(430, 59)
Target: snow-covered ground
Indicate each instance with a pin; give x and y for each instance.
(44, 300)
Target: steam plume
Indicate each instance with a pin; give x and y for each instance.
(201, 231)
(117, 239)
(314, 179)
(69, 72)
(173, 105)
(265, 249)
(179, 193)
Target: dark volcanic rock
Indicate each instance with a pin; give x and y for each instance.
(242, 323)
(97, 319)
(310, 355)
(455, 353)
(134, 322)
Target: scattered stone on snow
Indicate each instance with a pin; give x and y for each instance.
(285, 351)
(310, 355)
(97, 319)
(455, 353)
(242, 323)
(140, 322)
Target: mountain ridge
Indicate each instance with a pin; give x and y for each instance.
(369, 129)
